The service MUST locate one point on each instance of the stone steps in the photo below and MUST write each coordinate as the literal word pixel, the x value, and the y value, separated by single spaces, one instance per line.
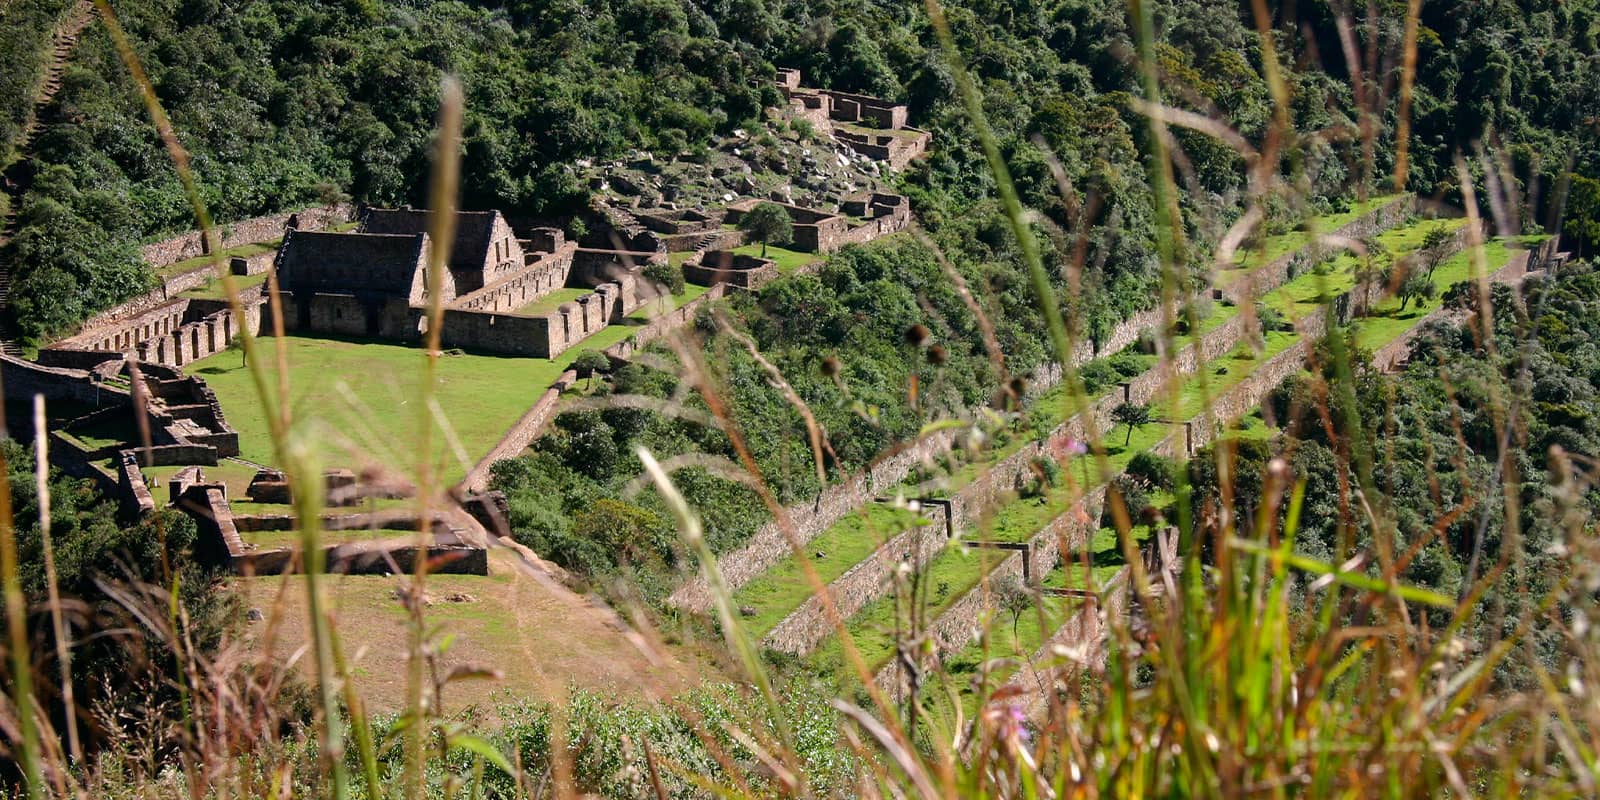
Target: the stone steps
pixel 63 41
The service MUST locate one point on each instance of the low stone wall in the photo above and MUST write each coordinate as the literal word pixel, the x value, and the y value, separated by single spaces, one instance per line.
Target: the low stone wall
pixel 171 455
pixel 220 542
pixel 664 324
pixel 248 231
pixel 1083 632
pixel 24 379
pixel 961 623
pixel 519 437
pixel 807 625
pixel 714 267
pixel 133 494
pixel 523 287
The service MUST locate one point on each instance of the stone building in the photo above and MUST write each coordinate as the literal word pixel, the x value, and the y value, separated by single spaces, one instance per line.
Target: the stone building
pixel 374 282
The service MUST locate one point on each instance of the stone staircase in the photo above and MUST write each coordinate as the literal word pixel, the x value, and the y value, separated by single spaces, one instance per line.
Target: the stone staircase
pixel 18 175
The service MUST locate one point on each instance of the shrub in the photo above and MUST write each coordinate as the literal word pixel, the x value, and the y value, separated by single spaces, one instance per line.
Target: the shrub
pixel 1158 471
pixel 1135 494
pixel 665 275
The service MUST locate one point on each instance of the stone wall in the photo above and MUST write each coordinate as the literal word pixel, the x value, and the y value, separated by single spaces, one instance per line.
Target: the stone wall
pixel 722 266
pixel 961 623
pixel 522 434
pixel 523 287
pixel 663 324
pixel 249 231
pixel 898 150
pixel 1263 279
pixel 807 625
pixel 172 333
pixel 769 545
pixel 219 541
pixel 24 379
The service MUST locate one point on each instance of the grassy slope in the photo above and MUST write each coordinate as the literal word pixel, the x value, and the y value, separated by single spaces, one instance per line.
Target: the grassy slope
pixel 506 619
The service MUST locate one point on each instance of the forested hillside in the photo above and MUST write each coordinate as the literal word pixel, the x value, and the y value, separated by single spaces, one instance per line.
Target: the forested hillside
pixel 285 103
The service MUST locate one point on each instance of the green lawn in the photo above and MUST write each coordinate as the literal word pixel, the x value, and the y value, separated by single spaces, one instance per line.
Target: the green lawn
pixel 1387 322
pixel 552 301
pixel 787 260
pixel 272 540
pixel 356 400
pixel 1275 247
pixel 949 576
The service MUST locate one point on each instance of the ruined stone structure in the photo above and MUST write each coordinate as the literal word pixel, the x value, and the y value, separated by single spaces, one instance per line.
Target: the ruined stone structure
pixel 821 232
pixel 711 267
pixel 374 282
pixel 872 127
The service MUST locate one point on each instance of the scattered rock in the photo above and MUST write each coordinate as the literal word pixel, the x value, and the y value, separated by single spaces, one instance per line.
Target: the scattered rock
pixel 460 597
pixel 747 611
pixel 254 615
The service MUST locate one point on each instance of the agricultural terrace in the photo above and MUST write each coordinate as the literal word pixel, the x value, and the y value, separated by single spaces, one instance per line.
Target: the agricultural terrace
pixel 959 568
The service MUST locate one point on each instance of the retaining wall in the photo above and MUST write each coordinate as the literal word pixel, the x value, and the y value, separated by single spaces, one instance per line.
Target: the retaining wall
pixel 807 625
pixel 192 244
pixel 1263 279
pixel 769 545
pixel 519 437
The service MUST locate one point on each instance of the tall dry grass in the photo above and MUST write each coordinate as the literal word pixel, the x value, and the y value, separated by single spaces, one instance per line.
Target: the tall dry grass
pixel 1253 672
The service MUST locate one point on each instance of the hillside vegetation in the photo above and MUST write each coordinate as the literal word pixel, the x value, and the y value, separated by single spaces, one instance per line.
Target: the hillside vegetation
pixel 1372 576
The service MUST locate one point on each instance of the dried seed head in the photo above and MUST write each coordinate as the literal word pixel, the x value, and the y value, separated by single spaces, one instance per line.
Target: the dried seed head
pixel 831 367
pixel 937 355
pixel 918 335
pixel 1018 386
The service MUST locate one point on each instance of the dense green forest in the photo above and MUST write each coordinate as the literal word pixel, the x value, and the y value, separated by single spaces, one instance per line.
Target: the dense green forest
pixel 285 103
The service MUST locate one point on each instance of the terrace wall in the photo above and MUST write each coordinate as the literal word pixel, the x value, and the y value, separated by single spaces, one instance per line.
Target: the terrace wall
pixel 803 628
pixel 521 435
pixel 193 244
pixel 664 324
pixel 961 623
pixel 1270 276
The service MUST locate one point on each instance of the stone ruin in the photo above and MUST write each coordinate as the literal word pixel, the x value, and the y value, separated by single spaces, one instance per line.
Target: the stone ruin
pixel 374 282
pixel 872 127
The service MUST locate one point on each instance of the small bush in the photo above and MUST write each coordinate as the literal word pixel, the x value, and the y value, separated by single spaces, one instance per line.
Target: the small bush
pixel 1158 471
pixel 665 275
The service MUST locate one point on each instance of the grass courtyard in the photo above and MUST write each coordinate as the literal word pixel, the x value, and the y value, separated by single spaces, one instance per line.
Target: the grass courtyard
pixel 356 401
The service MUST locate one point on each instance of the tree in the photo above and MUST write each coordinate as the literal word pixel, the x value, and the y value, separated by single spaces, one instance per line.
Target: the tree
pixel 665 275
pixel 1418 287
pixel 1435 243
pixel 1013 596
pixel 1132 415
pixel 236 345
pixel 590 362
pixel 1583 213
pixel 768 223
